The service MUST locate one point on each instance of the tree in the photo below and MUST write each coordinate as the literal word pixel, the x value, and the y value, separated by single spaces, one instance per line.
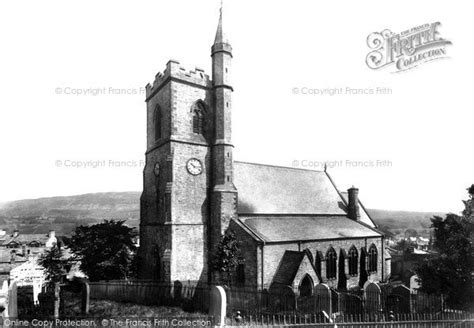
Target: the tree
pixel 106 250
pixel 227 254
pixel 411 233
pixel 405 246
pixel 54 264
pixel 387 231
pixel 468 204
pixel 450 272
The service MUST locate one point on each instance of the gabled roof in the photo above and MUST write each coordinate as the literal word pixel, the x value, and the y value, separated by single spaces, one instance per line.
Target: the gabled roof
pixel 267 189
pixel 300 228
pixel 289 265
pixel 26 239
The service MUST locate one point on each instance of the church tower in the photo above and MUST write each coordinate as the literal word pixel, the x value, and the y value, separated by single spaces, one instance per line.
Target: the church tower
pixel 188 192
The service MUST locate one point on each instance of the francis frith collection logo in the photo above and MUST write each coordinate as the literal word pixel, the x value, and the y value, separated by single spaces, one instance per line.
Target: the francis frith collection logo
pixel 406 50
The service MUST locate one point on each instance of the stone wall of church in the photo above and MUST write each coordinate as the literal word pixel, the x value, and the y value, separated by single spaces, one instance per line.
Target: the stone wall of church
pixel 189 253
pixel 345 244
pixel 272 255
pixel 183 97
pixel 250 253
pixel 274 252
pixel 306 268
pixel 161 100
pixel 189 197
pixel 154 241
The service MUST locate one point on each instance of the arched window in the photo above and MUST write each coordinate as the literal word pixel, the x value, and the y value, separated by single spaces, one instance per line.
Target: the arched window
pixel 198 117
pixel 372 258
pixel 331 263
pixel 317 263
pixel 34 244
pixel 306 286
pixel 353 261
pixel 240 272
pixel 158 120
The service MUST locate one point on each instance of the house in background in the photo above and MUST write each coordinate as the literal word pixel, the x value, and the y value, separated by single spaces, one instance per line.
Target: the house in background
pixel 17 249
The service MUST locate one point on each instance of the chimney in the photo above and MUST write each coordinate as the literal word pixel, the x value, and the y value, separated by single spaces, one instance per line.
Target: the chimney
pixel 15 233
pixel 12 256
pixel 353 206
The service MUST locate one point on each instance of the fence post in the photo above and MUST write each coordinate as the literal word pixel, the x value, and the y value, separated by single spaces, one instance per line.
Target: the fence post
pixel 56 300
pixel 218 305
pixel 85 297
pixel 13 301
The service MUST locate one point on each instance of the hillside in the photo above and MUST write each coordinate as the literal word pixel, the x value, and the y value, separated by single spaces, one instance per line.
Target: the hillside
pixel 63 214
pixel 399 221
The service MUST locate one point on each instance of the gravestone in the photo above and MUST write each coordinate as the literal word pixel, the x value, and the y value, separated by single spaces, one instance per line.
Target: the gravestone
pixel 323 296
pixel 400 299
pixel 13 301
pixel 372 295
pixel 282 298
pixel 85 297
pixel 217 305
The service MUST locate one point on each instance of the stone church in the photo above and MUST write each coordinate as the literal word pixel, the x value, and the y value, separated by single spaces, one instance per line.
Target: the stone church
pixel 294 227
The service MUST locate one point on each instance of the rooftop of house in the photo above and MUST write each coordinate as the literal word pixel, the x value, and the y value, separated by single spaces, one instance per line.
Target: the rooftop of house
pixel 21 239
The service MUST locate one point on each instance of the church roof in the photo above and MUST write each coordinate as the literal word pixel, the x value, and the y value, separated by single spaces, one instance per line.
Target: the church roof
pixel 289 265
pixel 267 189
pixel 364 215
pixel 300 228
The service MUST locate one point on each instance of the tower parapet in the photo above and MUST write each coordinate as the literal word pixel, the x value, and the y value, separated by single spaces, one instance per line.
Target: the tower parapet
pixel 174 71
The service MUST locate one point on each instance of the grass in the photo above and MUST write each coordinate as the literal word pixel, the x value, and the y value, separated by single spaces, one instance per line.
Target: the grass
pixel 111 308
pixel 108 308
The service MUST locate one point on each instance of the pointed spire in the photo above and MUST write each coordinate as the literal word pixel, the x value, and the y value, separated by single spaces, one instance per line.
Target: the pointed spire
pixel 220 36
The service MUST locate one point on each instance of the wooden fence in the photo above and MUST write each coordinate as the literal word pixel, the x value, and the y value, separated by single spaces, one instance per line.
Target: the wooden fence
pixel 191 296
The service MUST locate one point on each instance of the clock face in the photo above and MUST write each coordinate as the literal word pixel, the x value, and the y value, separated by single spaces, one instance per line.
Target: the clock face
pixel 156 169
pixel 194 166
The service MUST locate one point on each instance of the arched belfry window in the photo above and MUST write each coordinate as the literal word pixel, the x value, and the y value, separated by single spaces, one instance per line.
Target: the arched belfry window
pixel 331 263
pixel 157 121
pixel 198 110
pixel 353 260
pixel 373 258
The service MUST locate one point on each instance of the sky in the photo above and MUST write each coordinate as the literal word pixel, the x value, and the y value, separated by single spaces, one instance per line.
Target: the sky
pixel 72 110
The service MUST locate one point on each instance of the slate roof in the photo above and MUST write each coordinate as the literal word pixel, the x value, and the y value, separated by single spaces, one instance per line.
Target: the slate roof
pixel 299 228
pixel 289 265
pixel 26 238
pixel 267 189
pixel 364 215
